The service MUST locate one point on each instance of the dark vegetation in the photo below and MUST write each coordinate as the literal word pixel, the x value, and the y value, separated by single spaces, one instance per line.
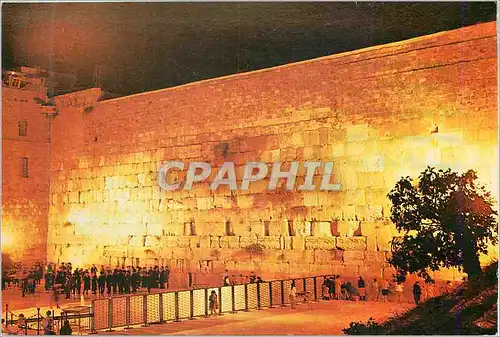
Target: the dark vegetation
pixel 447 220
pixel 466 311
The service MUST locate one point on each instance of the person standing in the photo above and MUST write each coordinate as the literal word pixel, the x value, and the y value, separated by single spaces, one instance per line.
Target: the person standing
pixel 128 282
pixel 101 283
pixel 48 280
pixel 213 303
pixel 78 282
pixel 86 283
pixel 399 291
pixel 167 276
pixel 252 277
pixel 162 278
pixel 67 286
pixel 338 287
pixel 21 325
pixel 417 292
pixel 109 282
pixel 362 288
pixel 293 295
pixel 114 282
pixel 134 279
pixel 94 283
pixel 24 286
pixel 48 324
pixel 375 290
pixel 331 287
pixel 66 328
pixel 384 286
pixel 325 289
pixel 149 280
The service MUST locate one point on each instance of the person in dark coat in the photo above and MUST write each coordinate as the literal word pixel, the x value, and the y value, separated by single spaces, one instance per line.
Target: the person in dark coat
pixel 101 281
pixel 115 281
pixel 128 282
pixel 78 281
pixel 134 280
pixel 86 283
pixel 167 275
pixel 331 287
pixel 67 287
pixel 150 279
pixel 24 287
pixel 417 292
pixel 109 282
pixel 94 283
pixel 362 288
pixel 66 328
pixel 162 278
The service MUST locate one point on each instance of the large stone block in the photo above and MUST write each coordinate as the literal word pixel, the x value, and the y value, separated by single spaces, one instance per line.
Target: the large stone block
pixel 298 243
pixel 323 243
pixel 184 241
pixel 204 241
pixel 371 243
pixel 248 240
pixel 230 242
pixel 351 244
pixel 214 241
pixel 269 242
pixel 351 255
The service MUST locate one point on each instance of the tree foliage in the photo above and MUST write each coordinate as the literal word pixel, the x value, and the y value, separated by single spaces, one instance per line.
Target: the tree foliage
pixel 447 220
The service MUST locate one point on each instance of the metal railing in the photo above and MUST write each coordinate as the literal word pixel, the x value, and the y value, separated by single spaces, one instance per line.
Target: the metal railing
pixel 172 306
pixel 79 322
pixel 126 311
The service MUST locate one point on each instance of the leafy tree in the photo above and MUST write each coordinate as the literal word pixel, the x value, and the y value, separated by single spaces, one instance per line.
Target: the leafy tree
pixel 447 220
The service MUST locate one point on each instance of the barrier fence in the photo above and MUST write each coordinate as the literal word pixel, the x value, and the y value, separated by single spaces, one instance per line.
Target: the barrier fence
pixel 126 311
pixel 170 306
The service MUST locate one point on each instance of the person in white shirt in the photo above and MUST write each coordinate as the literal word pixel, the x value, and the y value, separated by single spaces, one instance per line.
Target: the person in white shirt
pixel 293 295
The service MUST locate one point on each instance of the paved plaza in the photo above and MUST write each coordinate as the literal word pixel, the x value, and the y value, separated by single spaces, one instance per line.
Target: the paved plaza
pixel 322 318
pixel 314 318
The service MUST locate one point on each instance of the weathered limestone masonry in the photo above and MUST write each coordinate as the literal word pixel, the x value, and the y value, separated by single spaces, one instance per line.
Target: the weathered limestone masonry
pixel 372 112
pixel 25 200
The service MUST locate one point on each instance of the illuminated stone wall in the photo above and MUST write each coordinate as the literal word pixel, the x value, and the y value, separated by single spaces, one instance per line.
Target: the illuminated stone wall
pixel 370 111
pixel 25 201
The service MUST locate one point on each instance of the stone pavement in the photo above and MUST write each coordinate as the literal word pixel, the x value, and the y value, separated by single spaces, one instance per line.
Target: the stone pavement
pixel 322 318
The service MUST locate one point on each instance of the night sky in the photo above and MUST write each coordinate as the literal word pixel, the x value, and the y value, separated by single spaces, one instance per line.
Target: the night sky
pixel 146 46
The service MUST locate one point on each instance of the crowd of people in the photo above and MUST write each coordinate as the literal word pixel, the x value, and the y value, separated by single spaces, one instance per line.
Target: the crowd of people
pixel 105 280
pixel 334 288
pixel 28 283
pixel 241 279
pixel 97 281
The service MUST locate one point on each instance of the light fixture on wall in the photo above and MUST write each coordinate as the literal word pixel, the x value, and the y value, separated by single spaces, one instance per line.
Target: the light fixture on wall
pixel 435 130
